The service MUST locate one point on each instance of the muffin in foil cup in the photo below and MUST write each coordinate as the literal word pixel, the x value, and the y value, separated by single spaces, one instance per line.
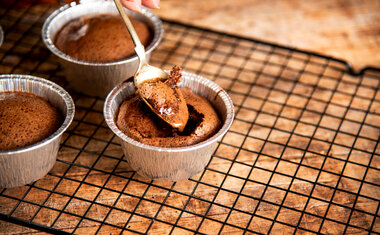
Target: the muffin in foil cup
pixel 27 164
pixel 96 78
pixel 176 163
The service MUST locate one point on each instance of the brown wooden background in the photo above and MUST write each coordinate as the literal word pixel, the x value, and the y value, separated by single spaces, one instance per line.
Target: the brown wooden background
pixel 302 155
pixel 347 29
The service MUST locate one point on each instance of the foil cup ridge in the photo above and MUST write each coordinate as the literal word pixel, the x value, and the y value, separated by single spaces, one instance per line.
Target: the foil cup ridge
pixel 1 35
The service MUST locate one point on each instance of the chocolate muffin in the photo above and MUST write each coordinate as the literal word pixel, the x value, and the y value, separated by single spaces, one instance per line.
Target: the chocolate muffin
pixel 25 119
pixel 100 38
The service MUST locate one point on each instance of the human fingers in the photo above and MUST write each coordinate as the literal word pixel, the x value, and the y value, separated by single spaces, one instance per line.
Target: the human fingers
pixel 133 5
pixel 151 3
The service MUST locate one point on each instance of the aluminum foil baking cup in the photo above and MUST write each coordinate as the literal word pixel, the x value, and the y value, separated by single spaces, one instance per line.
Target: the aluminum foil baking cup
pixel 25 165
pixel 91 78
pixel 176 163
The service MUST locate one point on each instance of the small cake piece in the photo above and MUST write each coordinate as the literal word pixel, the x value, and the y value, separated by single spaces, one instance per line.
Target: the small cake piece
pixel 100 38
pixel 25 119
pixel 166 99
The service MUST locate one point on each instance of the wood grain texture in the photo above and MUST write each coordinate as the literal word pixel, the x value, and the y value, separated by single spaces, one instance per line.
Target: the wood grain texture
pixel 346 29
pixel 303 149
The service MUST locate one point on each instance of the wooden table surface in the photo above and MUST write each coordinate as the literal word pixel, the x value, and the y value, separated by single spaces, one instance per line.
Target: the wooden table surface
pixel 301 156
pixel 346 29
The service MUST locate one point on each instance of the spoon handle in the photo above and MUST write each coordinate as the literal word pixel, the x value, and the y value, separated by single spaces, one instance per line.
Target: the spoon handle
pixel 139 48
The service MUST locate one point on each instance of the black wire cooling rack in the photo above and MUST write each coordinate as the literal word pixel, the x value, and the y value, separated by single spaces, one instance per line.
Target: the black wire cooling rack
pixel 302 155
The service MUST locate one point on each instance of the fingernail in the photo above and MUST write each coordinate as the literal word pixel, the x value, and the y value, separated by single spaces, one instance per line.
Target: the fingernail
pixel 133 5
pixel 138 7
pixel 156 3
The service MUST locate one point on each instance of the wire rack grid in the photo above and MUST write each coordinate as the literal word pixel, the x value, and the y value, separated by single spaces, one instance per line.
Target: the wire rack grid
pixel 302 155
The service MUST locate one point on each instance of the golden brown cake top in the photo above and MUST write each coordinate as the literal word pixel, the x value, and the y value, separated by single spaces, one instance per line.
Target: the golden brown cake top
pixel 25 119
pixel 100 38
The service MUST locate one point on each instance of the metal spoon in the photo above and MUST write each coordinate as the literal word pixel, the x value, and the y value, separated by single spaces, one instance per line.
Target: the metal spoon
pixel 174 113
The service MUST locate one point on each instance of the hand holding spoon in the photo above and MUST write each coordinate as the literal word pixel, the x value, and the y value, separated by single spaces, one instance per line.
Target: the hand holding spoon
pixel 153 86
